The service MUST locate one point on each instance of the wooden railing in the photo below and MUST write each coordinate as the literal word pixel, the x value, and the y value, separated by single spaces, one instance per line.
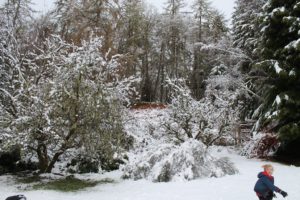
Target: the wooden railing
pixel 244 131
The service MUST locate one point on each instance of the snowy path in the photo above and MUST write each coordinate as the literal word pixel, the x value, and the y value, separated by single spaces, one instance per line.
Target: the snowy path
pixel 237 187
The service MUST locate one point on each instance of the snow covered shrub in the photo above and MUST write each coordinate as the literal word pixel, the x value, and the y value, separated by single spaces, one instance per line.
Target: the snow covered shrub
pixel 187 161
pixel 83 164
pixel 224 101
pixel 185 116
pixel 67 103
pixel 212 119
pixel 262 145
pixel 9 159
pixel 147 105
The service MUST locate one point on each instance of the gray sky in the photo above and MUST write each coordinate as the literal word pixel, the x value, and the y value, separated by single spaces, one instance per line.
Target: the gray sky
pixel 225 6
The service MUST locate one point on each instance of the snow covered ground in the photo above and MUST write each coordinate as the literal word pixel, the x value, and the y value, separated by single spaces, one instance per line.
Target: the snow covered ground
pixel 236 187
pixel 144 127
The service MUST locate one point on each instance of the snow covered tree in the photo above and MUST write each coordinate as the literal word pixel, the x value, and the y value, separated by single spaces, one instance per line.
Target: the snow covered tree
pixel 170 54
pixel 216 115
pixel 186 161
pixel 67 103
pixel 132 22
pixel 202 13
pixel 246 24
pixel 175 39
pixel 15 18
pixel 17 14
pixel 218 27
pixel 209 27
pixel 14 24
pixel 226 93
pixel 280 49
pixel 134 41
pixel 186 120
pixel 76 20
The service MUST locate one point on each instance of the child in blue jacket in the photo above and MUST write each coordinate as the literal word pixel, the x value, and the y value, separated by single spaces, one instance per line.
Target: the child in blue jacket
pixel 265 187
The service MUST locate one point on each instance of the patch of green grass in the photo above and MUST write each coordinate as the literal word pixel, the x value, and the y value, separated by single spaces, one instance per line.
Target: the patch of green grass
pixel 69 184
pixel 29 179
pixel 105 181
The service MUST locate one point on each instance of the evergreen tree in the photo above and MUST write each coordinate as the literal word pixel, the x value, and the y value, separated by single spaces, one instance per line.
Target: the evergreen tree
pixel 210 27
pixel 170 30
pixel 218 26
pixel 175 40
pixel 134 41
pixel 131 33
pixel 246 33
pixel 246 24
pixel 280 50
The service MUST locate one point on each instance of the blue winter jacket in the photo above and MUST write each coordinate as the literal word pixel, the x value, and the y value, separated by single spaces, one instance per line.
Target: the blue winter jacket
pixel 265 185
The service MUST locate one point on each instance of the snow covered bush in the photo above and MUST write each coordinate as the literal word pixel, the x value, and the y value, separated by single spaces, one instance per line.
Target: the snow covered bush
pixel 67 103
pixel 213 119
pixel 226 99
pixel 223 102
pixel 262 145
pixel 169 162
pixel 185 119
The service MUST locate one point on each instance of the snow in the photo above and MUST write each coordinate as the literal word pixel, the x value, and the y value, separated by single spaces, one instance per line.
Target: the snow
pixel 235 187
pixel 293 45
pixel 143 125
pixel 263 29
pixel 158 158
pixel 278 11
pixel 188 161
pixel 286 97
pixel 277 67
pixel 277 100
pixel 297 6
pixel 292 73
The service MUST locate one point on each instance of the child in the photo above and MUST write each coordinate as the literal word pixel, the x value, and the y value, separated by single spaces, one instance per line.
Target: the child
pixel 265 187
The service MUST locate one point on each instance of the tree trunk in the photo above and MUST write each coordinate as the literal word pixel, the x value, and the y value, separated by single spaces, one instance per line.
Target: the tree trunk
pixel 53 161
pixel 43 157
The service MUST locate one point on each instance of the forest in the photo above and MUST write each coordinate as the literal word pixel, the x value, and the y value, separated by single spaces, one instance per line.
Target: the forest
pixel 104 85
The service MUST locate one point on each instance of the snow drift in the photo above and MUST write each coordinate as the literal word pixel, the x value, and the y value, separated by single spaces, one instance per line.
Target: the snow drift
pixel 187 161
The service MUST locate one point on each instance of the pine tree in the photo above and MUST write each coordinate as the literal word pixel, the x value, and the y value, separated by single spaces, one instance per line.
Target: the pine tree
pixel 210 27
pixel 246 24
pixel 132 32
pixel 134 41
pixel 172 55
pixel 175 42
pixel 202 11
pixel 174 6
pixel 280 49
pixel 218 26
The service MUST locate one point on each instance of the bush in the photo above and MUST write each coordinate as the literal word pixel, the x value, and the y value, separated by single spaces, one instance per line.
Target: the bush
pixel 289 153
pixel 263 145
pixel 188 161
pixel 83 164
pixel 9 159
pixel 69 184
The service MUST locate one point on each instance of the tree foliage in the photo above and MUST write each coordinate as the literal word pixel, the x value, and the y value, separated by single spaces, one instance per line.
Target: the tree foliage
pixel 280 62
